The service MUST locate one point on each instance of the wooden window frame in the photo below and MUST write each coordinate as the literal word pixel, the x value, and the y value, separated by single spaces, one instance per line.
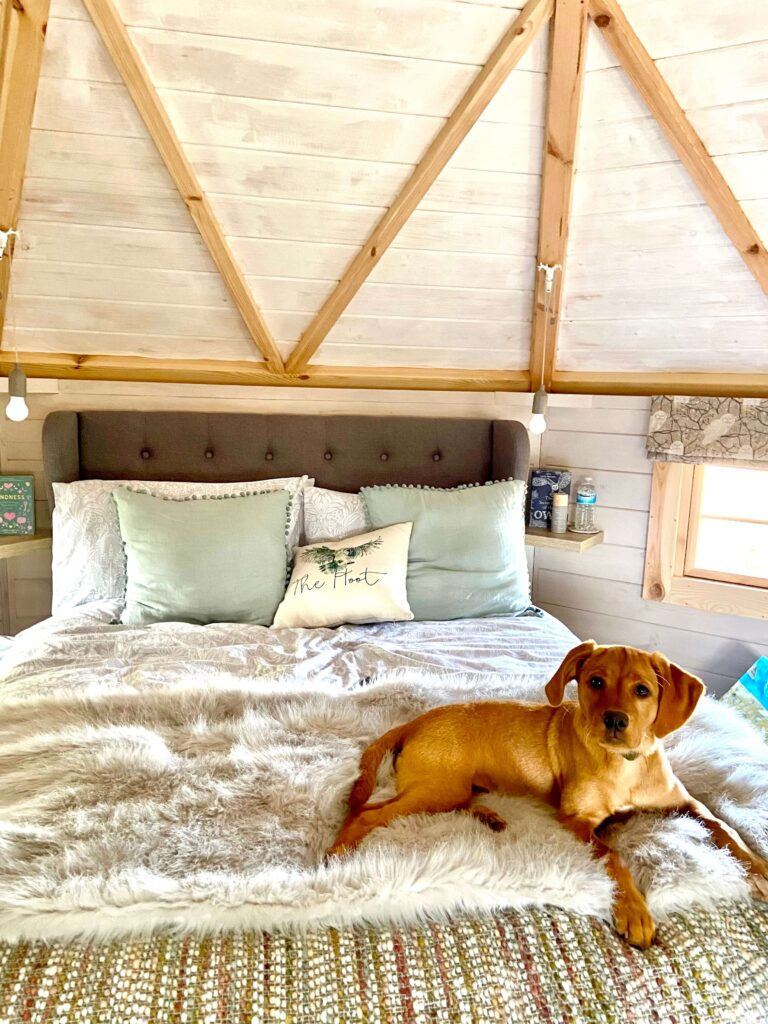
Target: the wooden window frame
pixel 672 496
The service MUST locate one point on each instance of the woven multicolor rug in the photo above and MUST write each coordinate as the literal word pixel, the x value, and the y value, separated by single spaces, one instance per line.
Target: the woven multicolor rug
pixel 532 967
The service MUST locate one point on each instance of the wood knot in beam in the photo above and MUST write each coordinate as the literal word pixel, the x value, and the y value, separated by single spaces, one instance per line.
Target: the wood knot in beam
pixel 753 250
pixel 603 20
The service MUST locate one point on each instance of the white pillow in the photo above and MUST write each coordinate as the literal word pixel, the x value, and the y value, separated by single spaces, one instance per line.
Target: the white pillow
pixel 358 579
pixel 332 515
pixel 88 563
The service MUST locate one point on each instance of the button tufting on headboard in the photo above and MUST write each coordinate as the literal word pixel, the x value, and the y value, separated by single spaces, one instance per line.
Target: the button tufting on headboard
pixel 340 452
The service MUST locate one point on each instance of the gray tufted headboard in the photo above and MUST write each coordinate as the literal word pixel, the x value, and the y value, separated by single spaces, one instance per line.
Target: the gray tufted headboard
pixel 340 452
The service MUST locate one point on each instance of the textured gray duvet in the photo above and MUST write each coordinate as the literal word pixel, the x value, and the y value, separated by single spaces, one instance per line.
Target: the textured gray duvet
pixel 82 648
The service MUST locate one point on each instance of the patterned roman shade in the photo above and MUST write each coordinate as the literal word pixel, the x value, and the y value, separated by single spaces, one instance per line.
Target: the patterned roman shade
pixel 724 430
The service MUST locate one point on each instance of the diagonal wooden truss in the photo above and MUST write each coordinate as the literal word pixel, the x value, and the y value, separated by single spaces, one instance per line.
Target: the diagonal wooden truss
pixel 144 95
pixel 503 60
pixel 23 29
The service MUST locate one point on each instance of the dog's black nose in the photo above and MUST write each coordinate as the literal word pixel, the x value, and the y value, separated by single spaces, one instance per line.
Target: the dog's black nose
pixel 616 721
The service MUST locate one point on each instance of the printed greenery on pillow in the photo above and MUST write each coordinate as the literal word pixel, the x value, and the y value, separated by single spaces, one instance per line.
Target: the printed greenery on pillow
pixel 358 579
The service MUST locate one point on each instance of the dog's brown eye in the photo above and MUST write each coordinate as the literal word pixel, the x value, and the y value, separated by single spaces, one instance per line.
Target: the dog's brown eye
pixel 596 683
pixel 642 691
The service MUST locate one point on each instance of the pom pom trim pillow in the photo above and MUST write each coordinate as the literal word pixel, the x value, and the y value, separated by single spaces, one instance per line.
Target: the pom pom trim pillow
pixel 88 563
pixel 203 560
pixel 357 579
pixel 467 552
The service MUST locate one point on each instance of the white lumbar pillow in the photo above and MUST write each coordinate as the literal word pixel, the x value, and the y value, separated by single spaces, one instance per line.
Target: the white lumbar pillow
pixel 358 579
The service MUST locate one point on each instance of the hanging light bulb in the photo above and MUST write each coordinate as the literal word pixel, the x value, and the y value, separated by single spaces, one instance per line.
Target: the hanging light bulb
pixel 17 409
pixel 537 423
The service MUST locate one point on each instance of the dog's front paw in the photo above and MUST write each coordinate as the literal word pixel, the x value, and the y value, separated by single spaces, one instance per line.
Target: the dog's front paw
pixel 337 850
pixel 633 921
pixel 758 878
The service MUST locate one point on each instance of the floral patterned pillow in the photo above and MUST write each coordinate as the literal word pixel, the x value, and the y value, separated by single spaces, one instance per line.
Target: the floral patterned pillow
pixel 88 560
pixel 332 515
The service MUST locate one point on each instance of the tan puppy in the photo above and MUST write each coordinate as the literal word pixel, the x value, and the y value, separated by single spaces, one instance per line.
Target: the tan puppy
pixel 591 760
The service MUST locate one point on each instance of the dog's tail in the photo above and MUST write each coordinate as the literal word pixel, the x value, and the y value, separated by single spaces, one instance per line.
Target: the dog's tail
pixel 369 765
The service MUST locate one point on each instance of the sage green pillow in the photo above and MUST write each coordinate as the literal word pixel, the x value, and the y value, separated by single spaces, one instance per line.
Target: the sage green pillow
pixel 467 553
pixel 201 560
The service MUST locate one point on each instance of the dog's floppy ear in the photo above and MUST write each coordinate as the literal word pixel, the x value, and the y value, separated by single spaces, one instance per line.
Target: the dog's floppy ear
pixel 569 669
pixel 678 695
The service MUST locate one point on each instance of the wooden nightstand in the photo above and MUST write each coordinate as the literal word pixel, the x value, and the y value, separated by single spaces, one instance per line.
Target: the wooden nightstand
pixel 568 541
pixel 13 547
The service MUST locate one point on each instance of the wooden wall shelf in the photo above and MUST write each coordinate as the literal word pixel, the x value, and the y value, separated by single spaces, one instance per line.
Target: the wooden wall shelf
pixel 13 547
pixel 568 541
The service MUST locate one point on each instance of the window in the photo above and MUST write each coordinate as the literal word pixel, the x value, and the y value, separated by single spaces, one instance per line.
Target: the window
pixel 727 536
pixel 708 538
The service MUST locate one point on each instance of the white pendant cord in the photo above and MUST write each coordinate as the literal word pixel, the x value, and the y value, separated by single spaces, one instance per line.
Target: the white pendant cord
pixel 538 423
pixel 5 238
pixel 17 408
pixel 549 282
pixel 12 303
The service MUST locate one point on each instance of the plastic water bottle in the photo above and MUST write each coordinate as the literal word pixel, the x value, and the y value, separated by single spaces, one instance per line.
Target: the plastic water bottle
pixel 586 499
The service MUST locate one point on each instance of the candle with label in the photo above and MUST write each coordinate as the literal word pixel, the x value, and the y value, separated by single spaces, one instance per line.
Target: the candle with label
pixel 559 513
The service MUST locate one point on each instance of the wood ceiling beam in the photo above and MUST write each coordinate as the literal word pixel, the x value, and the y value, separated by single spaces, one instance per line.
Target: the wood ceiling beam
pixel 22 36
pixel 143 93
pixel 70 366
pixel 502 61
pixel 671 117
pixel 66 366
pixel 567 57
pixel 736 385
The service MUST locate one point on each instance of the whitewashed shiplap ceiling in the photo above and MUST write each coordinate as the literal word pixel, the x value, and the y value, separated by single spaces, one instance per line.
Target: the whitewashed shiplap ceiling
pixel 304 119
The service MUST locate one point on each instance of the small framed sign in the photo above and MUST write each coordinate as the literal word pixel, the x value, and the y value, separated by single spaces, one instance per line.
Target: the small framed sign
pixel 17 505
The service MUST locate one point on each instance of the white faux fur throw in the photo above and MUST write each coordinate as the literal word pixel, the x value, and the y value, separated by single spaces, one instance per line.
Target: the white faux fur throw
pixel 205 808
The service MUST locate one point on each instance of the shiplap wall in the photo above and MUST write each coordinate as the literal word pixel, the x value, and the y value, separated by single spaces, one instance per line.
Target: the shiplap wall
pixel 652 280
pixel 597 593
pixel 302 121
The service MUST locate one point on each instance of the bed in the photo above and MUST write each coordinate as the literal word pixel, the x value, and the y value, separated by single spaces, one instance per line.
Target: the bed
pixel 527 962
